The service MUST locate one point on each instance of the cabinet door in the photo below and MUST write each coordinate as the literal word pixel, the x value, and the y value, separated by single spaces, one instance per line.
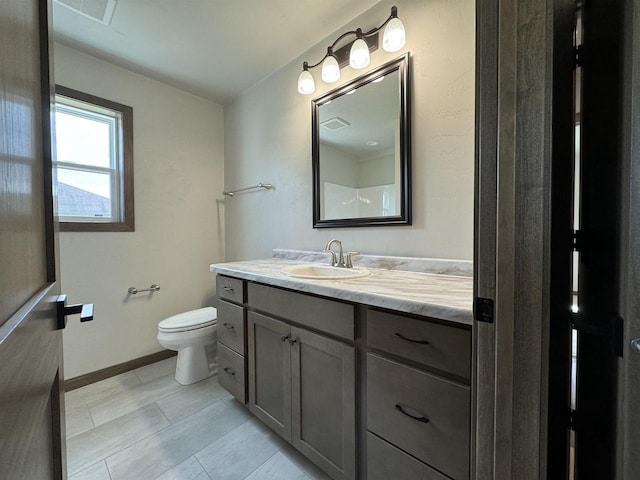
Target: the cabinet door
pixel 270 372
pixel 323 402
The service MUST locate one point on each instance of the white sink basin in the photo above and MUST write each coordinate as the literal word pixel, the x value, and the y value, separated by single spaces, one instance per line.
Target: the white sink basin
pixel 324 272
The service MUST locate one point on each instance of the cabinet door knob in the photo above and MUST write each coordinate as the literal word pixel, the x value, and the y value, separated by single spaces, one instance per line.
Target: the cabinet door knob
pixel 635 345
pixel 292 341
pixel 407 339
pixel 419 417
pixel 284 338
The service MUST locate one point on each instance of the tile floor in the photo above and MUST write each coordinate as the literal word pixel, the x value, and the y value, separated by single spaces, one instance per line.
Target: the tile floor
pixel 144 425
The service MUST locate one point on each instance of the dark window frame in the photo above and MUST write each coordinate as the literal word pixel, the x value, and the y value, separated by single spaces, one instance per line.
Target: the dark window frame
pixel 127 223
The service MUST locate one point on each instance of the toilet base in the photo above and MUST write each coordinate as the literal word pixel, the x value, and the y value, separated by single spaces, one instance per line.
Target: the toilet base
pixel 193 365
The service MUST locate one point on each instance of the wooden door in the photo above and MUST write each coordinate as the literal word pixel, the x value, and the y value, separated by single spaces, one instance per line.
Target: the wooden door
pixel 323 402
pixel 32 436
pixel 269 359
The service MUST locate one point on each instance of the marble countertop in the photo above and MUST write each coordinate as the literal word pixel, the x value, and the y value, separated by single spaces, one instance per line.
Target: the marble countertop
pixel 448 297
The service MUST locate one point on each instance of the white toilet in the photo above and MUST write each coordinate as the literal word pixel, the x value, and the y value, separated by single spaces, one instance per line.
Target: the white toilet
pixel 193 335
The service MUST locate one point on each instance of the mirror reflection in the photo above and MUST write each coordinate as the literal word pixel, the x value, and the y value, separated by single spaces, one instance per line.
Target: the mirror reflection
pixel 361 152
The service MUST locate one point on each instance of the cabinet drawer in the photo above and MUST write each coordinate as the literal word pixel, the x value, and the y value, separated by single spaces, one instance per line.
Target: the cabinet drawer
pixel 446 348
pixel 231 326
pixel 424 415
pixel 230 288
pixel 384 461
pixel 231 374
pixel 335 318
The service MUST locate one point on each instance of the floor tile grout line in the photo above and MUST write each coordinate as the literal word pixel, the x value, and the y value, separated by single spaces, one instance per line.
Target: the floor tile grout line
pixel 102 399
pixel 221 399
pixel 150 435
pixel 154 403
pixel 251 472
pixel 136 442
pixel 93 422
pixel 164 414
pixel 171 372
pixel 142 382
pixel 208 445
pixel 202 466
pixel 182 388
pixel 104 459
pixel 107 467
pixel 87 468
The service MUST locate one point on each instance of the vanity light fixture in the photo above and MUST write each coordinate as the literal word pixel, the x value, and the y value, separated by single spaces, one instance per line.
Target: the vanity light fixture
pixel 358 50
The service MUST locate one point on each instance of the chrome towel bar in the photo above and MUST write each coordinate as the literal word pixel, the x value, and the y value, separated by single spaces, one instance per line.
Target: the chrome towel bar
pixel 266 186
pixel 135 291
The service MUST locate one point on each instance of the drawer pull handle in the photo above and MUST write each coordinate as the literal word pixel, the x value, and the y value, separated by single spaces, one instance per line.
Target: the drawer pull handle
pixel 292 341
pixel 228 289
pixel 284 338
pixel 229 371
pixel 230 327
pixel 421 342
pixel 420 418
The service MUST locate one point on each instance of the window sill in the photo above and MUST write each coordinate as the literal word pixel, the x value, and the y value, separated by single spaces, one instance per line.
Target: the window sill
pixel 96 227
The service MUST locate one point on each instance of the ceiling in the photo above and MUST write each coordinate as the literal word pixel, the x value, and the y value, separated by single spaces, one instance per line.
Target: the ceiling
pixel 212 48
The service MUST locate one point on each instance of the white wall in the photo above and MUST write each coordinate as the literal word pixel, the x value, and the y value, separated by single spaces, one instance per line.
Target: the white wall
pixel 268 139
pixel 178 163
pixel 338 166
pixel 378 169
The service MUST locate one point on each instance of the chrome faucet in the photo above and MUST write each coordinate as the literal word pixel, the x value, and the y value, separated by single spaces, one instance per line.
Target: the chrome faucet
pixel 336 260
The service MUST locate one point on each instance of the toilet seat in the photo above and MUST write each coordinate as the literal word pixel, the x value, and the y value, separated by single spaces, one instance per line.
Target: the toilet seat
pixel 192 320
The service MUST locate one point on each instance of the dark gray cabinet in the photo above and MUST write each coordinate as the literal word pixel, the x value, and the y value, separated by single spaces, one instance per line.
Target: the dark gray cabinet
pixel 362 392
pixel 418 397
pixel 323 415
pixel 231 336
pixel 302 385
pixel 269 358
pixel 231 372
pixel 423 414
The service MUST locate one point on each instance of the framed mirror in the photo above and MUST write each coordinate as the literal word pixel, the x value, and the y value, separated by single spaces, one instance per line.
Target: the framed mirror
pixel 361 150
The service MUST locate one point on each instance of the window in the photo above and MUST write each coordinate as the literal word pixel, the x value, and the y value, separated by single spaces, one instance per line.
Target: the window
pixel 94 164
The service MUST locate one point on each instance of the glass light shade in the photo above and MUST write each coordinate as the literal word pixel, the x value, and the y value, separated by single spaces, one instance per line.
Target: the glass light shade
pixel 330 70
pixel 394 37
pixel 306 84
pixel 359 55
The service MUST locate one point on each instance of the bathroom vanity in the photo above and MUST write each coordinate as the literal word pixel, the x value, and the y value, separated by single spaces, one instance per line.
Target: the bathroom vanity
pixel 369 378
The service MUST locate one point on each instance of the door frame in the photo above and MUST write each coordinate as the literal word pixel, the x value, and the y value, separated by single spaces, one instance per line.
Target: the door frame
pixel 628 439
pixel 512 256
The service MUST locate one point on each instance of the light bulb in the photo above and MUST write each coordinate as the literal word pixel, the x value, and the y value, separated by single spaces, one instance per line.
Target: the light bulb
pixel 330 70
pixel 306 84
pixel 359 56
pixel 394 37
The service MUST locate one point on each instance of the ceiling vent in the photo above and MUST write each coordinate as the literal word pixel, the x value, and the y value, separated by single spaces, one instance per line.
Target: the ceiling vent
pixel 100 10
pixel 335 123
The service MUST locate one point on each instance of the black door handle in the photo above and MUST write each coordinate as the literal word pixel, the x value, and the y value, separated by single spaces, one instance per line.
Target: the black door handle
pixel 85 311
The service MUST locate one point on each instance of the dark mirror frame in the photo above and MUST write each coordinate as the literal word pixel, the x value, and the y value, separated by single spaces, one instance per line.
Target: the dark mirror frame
pixel 402 65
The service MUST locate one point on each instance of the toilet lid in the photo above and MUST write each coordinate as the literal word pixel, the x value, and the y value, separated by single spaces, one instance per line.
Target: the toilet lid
pixel 203 317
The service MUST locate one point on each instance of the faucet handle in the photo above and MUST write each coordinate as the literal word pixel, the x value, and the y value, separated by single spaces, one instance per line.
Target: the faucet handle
pixel 348 262
pixel 334 257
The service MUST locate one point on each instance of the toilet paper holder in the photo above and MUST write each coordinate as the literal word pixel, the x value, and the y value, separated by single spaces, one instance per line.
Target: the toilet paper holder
pixel 135 291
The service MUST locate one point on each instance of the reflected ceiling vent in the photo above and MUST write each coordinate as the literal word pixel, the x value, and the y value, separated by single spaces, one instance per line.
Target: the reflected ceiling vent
pixel 100 10
pixel 335 123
